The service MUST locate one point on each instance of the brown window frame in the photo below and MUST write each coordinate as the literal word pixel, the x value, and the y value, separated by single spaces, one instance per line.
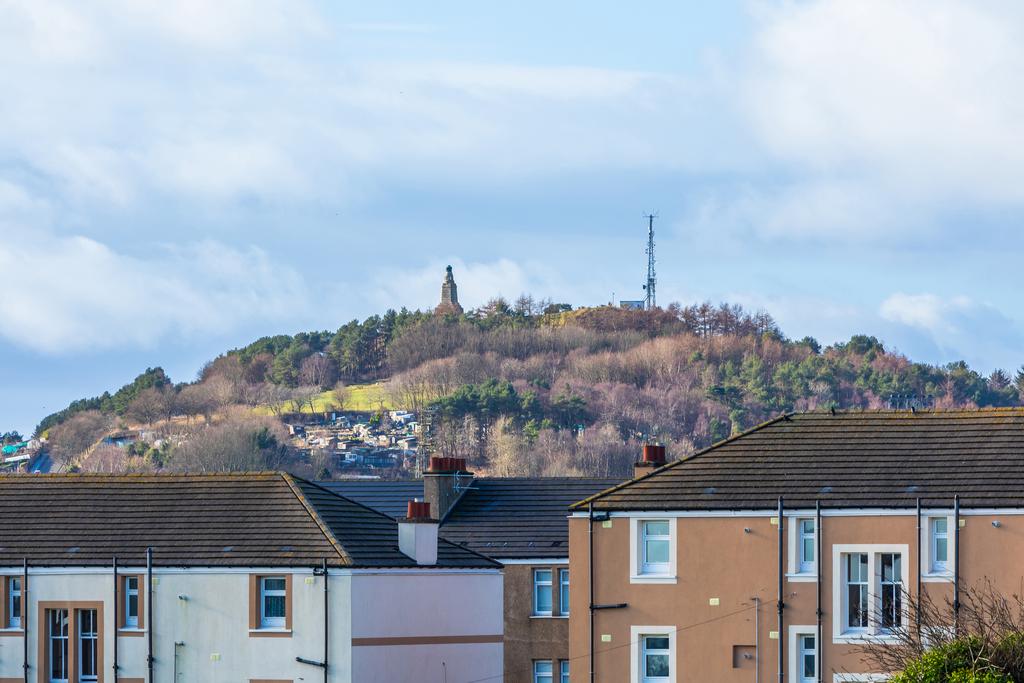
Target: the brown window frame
pixel 5 592
pixel 257 631
pixel 73 608
pixel 122 598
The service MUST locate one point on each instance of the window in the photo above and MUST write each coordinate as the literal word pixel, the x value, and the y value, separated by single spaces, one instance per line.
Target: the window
pixel 655 662
pixel 272 602
pixel 131 602
pixel 857 585
pixel 655 547
pixel 57 645
pixel 543 672
pixel 807 546
pixel 891 589
pixel 563 591
pixel 939 543
pixel 807 656
pixel 14 602
pixel 542 592
pixel 88 640
pixel 868 590
pixel 564 669
pixel 270 606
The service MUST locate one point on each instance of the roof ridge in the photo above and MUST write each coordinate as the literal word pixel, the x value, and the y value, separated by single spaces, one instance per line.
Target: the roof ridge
pixel 145 475
pixel 677 463
pixel 392 519
pixel 290 480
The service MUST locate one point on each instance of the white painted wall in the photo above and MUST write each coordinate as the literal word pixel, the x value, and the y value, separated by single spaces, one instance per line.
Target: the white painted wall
pixel 442 605
pixel 213 625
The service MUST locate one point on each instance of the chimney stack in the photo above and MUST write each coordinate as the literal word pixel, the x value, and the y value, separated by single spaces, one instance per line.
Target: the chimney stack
pixel 439 484
pixel 653 458
pixel 417 534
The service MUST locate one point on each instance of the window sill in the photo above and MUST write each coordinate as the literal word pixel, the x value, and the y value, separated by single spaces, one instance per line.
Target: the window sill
pixel 131 632
pixel 653 578
pixel 858 637
pixel 11 632
pixel 549 616
pixel 802 577
pixel 937 577
pixel 270 633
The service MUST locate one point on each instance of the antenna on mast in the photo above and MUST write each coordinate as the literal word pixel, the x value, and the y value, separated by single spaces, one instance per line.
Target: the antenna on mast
pixel 650 301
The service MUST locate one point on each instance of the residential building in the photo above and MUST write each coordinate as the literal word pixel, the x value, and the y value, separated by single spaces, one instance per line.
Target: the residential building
pixel 521 522
pixel 777 554
pixel 258 577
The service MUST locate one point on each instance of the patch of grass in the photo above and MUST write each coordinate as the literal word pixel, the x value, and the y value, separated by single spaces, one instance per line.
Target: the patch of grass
pixel 358 398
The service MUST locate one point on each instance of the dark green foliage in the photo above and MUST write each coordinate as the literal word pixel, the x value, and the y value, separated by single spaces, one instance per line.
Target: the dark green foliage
pixel 107 403
pixel 965 660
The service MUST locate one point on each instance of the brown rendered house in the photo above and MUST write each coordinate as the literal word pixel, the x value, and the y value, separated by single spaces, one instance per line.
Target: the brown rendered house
pixel 686 574
pixel 521 523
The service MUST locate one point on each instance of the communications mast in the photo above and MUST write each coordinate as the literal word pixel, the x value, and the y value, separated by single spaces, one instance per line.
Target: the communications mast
pixel 650 301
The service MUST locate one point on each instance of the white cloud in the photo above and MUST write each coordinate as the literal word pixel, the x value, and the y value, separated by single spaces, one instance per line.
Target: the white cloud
pixel 879 117
pixel 958 327
pixel 67 294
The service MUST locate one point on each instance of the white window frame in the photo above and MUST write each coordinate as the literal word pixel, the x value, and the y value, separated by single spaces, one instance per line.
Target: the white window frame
pixel 563 671
pixel 543 676
pixel 131 620
pixel 563 591
pixel 932 571
pixel 81 636
pixel 840 632
pixel 52 641
pixel 797 632
pixel 273 622
pixel 13 598
pixel 539 585
pixel 795 570
pixel 900 583
pixel 636 650
pixel 667 573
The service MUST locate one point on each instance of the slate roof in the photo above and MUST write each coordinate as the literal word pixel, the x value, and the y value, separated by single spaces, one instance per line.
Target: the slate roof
pixel 389 497
pixel 505 518
pixel 266 519
pixel 847 459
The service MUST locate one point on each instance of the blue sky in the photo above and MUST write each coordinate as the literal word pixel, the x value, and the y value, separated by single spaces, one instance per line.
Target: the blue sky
pixel 175 181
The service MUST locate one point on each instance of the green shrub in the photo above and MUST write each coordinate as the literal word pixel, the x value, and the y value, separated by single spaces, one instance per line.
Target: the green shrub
pixel 953 662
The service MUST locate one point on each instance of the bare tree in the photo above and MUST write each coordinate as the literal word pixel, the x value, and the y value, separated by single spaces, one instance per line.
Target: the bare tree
pixel 318 370
pixel 75 436
pixel 148 406
pixel 236 444
pixel 985 619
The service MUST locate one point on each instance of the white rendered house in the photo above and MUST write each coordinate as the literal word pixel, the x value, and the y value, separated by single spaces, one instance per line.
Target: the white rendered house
pixel 264 578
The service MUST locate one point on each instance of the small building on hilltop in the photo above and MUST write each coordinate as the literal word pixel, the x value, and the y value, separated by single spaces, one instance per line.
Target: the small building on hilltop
pixel 449 296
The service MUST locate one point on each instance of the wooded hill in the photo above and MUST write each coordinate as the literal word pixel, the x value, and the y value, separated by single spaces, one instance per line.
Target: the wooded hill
pixel 537 388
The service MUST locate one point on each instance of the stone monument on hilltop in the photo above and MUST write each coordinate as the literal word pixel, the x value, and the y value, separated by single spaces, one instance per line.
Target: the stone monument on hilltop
pixel 449 296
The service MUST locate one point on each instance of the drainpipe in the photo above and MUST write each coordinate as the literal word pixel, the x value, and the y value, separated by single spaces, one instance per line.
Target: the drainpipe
pixel 327 622
pixel 149 615
pixel 817 565
pixel 757 639
pixel 781 603
pixel 917 602
pixel 956 566
pixel 24 618
pixel 117 614
pixel 590 564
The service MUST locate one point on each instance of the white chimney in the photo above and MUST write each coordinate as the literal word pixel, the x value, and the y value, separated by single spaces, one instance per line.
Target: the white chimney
pixel 417 534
